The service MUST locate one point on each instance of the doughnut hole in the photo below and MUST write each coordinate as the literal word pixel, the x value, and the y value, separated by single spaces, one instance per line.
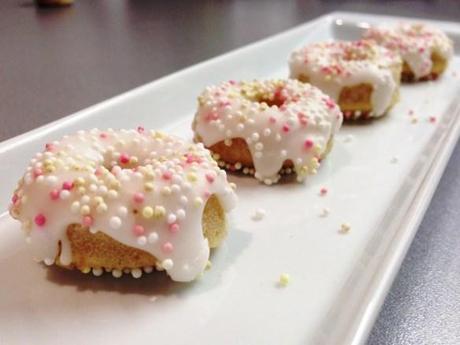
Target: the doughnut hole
pixel 439 66
pixel 102 251
pixel 271 98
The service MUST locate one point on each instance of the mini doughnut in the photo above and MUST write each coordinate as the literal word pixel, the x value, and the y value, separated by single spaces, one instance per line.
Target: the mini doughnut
pixel 362 77
pixel 267 128
pixel 425 50
pixel 124 200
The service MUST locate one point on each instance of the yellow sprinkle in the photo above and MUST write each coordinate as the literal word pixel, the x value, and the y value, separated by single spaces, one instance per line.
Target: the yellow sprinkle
pixel 84 210
pixel 133 160
pixel 166 191
pixel 208 265
pixel 345 228
pixel 79 181
pixel 192 177
pixel 101 208
pixel 159 212
pixel 86 270
pixel 82 190
pixel 98 199
pixel 147 212
pixel 149 186
pixel 198 201
pixel 284 279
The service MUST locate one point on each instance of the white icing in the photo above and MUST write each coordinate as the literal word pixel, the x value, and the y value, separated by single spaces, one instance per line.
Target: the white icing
pixel 273 134
pixel 170 176
pixel 415 43
pixel 331 66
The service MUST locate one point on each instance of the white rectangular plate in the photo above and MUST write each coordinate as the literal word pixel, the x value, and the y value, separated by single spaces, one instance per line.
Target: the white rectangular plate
pixel 338 281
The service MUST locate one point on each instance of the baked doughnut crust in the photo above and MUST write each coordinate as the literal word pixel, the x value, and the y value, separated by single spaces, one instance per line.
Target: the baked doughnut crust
pixel 99 250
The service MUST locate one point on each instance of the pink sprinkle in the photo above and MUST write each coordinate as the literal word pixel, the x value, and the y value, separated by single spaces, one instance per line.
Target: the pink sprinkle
pixel 411 112
pixel 302 119
pixel 432 119
pixel 40 219
pixel 272 119
pixel 140 129
pixel 323 191
pixel 308 143
pixel 167 175
pixel 168 247
pixel 206 194
pixel 285 128
pixel 211 117
pixel 421 49
pixel 174 228
pixel 192 158
pixel 49 147
pixel 210 178
pixel 138 197
pixel 232 82
pixel 98 171
pixel 67 185
pixel 54 194
pixel 87 221
pixel 124 158
pixel 37 172
pixel 330 103
pixel 138 230
pixel 103 135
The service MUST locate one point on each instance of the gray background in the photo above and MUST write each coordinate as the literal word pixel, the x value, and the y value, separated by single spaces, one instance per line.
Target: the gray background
pixel 57 61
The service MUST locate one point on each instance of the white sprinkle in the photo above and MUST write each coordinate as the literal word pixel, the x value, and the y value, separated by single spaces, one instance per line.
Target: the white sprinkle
pixel 255 136
pixel 267 132
pixel 141 240
pixel 258 154
pixel 97 271
pixel 348 138
pixel 180 213
pixel 117 273
pixel 115 223
pixel 153 237
pixel 171 218
pixel 183 200
pixel 51 180
pixel 136 273
pixel 167 264
pixel 48 261
pixel 148 269
pixel 258 214
pixel 324 212
pixel 259 146
pixel 122 211
pixel 64 194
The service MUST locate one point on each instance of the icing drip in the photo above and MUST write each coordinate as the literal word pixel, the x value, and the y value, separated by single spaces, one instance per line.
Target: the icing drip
pixel 415 43
pixel 331 66
pixel 279 120
pixel 145 189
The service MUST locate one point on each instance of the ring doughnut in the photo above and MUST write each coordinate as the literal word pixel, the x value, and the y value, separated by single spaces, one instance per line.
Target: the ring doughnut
pixel 425 50
pixel 362 77
pixel 124 200
pixel 267 128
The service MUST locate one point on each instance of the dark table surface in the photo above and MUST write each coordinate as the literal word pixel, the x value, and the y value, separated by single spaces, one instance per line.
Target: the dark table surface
pixel 56 61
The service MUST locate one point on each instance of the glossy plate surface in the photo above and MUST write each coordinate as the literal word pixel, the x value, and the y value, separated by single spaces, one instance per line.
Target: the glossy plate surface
pixel 380 177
